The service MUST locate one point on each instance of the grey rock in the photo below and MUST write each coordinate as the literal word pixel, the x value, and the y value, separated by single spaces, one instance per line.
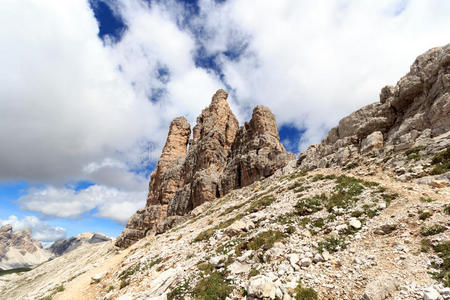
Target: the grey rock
pixel 261 287
pixel 380 288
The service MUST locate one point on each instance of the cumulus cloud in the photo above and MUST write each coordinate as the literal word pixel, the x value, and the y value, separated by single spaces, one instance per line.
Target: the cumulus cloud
pixel 41 231
pixel 322 60
pixel 63 202
pixel 75 107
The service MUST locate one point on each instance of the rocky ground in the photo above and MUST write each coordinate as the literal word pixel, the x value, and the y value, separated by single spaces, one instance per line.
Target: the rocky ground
pixel 342 234
pixel 229 215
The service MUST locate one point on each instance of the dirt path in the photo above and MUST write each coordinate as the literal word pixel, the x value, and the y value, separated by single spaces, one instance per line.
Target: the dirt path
pixel 81 288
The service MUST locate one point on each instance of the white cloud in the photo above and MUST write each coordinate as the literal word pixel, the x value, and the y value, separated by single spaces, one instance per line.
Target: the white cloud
pixel 324 59
pixel 41 231
pixel 109 202
pixel 73 107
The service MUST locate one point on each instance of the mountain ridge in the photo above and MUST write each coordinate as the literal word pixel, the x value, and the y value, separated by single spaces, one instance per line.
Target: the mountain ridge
pixel 362 215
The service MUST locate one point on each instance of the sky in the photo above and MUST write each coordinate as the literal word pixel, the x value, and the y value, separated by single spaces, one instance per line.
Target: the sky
pixel 89 87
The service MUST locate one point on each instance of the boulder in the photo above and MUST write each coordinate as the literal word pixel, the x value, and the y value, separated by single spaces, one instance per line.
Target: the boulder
pixel 261 287
pixel 380 288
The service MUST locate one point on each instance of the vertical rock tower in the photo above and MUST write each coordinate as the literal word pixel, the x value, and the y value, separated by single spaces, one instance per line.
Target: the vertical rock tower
pixel 220 157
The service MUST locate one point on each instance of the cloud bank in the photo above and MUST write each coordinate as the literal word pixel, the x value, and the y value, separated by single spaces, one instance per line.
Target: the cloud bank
pixel 76 107
pixel 41 231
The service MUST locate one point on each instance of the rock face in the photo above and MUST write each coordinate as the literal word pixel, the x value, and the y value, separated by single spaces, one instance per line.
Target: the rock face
pixel 18 249
pixel 220 157
pixel 63 246
pixel 415 112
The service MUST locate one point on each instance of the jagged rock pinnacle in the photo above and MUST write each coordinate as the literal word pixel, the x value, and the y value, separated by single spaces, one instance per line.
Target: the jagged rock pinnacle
pixel 221 157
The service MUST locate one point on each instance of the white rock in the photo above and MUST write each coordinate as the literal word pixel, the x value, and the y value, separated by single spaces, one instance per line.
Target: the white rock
pixel 278 293
pixel 318 258
pixel 380 288
pixel 286 296
pixel 355 223
pixel 341 227
pixel 125 297
pixel 218 261
pixel 431 294
pixel 293 258
pixel 160 284
pixel 284 268
pixel 162 297
pixel 326 255
pixel 237 268
pixel 445 292
pixel 261 286
pixel 97 277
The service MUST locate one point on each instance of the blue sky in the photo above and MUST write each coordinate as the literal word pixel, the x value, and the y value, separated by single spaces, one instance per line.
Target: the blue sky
pixel 88 88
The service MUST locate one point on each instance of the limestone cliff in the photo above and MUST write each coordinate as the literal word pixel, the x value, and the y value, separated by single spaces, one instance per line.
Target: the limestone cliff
pixel 412 117
pixel 18 249
pixel 220 157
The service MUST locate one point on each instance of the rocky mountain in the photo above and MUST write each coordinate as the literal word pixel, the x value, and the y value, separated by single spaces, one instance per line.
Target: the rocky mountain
pixel 19 249
pixel 63 246
pixel 413 115
pixel 221 157
pixel 229 215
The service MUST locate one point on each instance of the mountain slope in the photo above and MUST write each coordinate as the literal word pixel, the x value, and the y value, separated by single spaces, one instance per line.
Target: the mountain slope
pixel 228 239
pixel 363 215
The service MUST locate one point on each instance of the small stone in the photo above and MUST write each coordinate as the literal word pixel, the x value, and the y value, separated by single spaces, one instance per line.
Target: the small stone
pixel 218 261
pixel 341 227
pixel 318 258
pixel 326 255
pixel 305 262
pixel 97 277
pixel 293 259
pixel 355 223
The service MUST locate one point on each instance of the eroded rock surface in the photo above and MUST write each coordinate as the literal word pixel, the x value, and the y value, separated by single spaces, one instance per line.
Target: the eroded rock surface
pixel 19 249
pixel 220 157
pixel 413 113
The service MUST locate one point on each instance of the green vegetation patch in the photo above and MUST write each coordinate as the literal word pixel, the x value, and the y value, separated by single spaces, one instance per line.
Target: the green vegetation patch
pixel 253 272
pixel 425 245
pixel 332 244
pixel 207 234
pixel 443 251
pixel 265 240
pixel 425 215
pixel 447 209
pixel 307 206
pixel 426 199
pixel 413 153
pixel 213 287
pixel 441 162
pixel 304 293
pixel 261 203
pixel 432 230
pixel 179 292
